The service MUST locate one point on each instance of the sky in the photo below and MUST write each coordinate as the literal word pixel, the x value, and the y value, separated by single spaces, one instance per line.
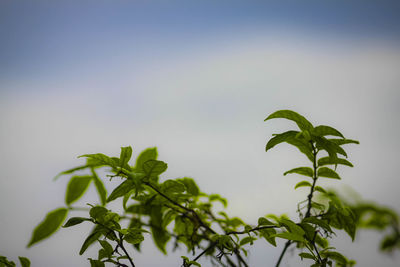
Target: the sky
pixel 196 79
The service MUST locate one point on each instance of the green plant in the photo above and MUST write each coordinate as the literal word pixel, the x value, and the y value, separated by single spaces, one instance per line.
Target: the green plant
pixel 176 210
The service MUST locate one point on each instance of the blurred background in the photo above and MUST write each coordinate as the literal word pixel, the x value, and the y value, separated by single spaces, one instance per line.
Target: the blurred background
pixel 196 79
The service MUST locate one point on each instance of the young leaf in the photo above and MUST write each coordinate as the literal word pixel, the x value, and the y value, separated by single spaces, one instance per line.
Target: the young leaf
pixel 333 161
pixel 268 234
pixel 76 188
pixel 302 122
pixel 145 155
pixel 160 237
pixel 134 236
pixel 280 138
pixel 121 190
pixel 96 263
pixel 344 141
pixel 153 168
pixel 107 247
pixel 326 172
pixel 301 184
pixel 71 171
pixel 125 156
pixel 264 221
pixel 98 213
pixel 320 189
pixel 100 160
pixel 25 262
pixel 336 256
pixel 307 171
pixel 303 146
pixel 323 130
pixel 172 186
pixel 333 149
pixel 74 221
pixel 49 225
pixel 290 236
pixel 191 186
pixel 292 227
pixel 101 190
pixel 93 236
pixel 247 239
pixel 322 223
pixel 307 255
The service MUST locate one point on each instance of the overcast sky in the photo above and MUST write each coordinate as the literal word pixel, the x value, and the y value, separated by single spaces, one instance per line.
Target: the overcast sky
pixel 196 79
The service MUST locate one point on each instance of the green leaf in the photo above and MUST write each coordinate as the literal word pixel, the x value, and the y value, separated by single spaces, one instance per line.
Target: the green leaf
pixel 101 190
pixel 322 223
pixel 134 236
pixel 307 171
pixel 100 160
pixel 76 188
pixel 290 236
pixel 303 146
pixel 172 186
pixel 332 148
pixel 336 256
pixel 327 172
pixel 191 186
pixel 168 217
pixel 96 263
pixel 302 122
pixel 306 255
pixel 4 262
pixel 323 130
pixel 125 156
pixel 25 262
pixel 247 239
pixel 153 168
pixel 49 225
pixel 320 189
pixel 160 238
pixel 333 161
pixel 292 227
pixel 71 171
pixel 301 184
pixel 98 213
pixel 121 190
pixel 145 155
pixel 74 221
pixel 344 141
pixel 216 197
pixel 93 236
pixel 264 221
pixel 280 138
pixel 268 234
pixel 107 247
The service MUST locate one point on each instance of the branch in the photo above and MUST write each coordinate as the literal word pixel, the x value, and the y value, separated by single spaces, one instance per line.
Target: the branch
pixel 288 243
pixel 251 230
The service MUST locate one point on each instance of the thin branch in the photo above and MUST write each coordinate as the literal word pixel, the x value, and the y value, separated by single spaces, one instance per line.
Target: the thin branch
pixel 121 245
pixel 288 243
pixel 315 178
pixel 204 252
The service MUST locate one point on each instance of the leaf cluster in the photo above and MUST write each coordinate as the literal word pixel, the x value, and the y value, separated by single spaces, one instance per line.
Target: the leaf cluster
pixel 176 211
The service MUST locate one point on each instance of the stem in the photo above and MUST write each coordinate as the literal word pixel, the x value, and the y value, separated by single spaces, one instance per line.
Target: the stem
pixel 121 245
pixel 203 252
pixel 288 243
pixel 195 215
pixel 309 205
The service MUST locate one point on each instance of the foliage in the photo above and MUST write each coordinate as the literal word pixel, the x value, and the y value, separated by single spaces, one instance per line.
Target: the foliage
pixel 177 211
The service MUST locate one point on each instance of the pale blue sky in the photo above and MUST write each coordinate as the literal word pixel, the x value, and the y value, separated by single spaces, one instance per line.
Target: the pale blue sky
pixel 195 79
